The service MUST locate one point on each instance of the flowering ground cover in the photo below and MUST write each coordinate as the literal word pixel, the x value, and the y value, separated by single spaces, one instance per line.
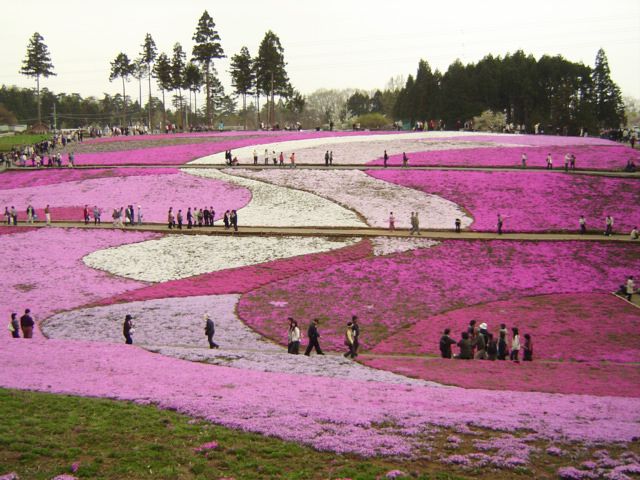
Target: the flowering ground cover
pixel 592 157
pixel 177 256
pixel 370 197
pixel 392 292
pixel 274 206
pixel 582 327
pixel 261 402
pixel 529 201
pixel 175 326
pixel 560 377
pixel 154 191
pixel 46 274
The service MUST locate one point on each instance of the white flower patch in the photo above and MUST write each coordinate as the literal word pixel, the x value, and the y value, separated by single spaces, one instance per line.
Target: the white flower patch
pixel 275 206
pixel 175 327
pixel 179 256
pixel 391 245
pixel 393 142
pixel 371 197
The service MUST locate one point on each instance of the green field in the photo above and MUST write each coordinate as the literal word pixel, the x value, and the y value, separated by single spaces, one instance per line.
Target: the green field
pixel 6 142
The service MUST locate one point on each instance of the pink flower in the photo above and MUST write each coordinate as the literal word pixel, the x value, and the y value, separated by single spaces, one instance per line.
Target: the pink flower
pixel 206 447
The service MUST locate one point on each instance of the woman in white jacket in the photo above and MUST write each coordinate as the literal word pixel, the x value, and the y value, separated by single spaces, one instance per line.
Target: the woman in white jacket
pixel 515 345
pixel 293 336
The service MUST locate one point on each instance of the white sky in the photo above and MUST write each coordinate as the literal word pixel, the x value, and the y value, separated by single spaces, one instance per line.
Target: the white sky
pixel 328 43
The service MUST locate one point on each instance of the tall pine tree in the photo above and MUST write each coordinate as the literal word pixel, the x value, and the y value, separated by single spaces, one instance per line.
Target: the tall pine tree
pixel 609 105
pixel 148 55
pixel 123 68
pixel 243 77
pixel 271 75
pixel 37 64
pixel 207 48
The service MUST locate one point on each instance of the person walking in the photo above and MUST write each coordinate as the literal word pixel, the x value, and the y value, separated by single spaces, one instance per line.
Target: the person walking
pixel 445 344
pixel 170 218
pixel 30 214
pixel 500 224
pixel 385 158
pixel 549 162
pixel 528 348
pixel 313 335
pixel 405 159
pixel 583 225
pixel 392 221
pixel 331 157
pixel 209 331
pixel 524 160
pixel 85 214
pixel 139 215
pixel 293 337
pixel 226 220
pixel 326 159
pixel 127 329
pixel 179 219
pixel 503 349
pixel 629 288
pixel 292 160
pixel 416 223
pixel 348 341
pixel 189 218
pixel 515 345
pixel 608 226
pixel 47 215
pixel 356 334
pixel 14 215
pixel 567 159
pixel 233 219
pixel 14 326
pixel 26 324
pixel 255 157
pixel 458 224
pixel 96 215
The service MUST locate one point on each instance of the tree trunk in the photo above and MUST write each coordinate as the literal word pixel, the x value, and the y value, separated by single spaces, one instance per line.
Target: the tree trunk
pixel 244 109
pixel 272 106
pixel 140 96
pixel 208 105
pixel 258 107
pixel 124 105
pixel 149 106
pixel 38 97
pixel 195 105
pixel 164 112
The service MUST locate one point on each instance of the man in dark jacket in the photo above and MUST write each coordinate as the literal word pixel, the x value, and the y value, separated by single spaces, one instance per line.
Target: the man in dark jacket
pixel 313 335
pixel 26 323
pixel 356 334
pixel 209 331
pixel 445 344
pixel 466 352
pixel 127 329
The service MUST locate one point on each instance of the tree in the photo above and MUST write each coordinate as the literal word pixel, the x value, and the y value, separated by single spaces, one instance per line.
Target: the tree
pixel 177 74
pixel 193 81
pixel 7 117
pixel 162 72
pixel 271 75
pixel 207 48
pixel 608 99
pixel 139 72
pixel 123 68
pixel 376 104
pixel 490 121
pixel 37 64
pixel 243 77
pixel 148 55
pixel 295 104
pixel 358 104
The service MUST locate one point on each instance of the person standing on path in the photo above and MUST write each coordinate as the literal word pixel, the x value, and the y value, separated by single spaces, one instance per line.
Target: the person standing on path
pixel 549 162
pixel 326 159
pixel 524 160
pixel 14 326
pixel 356 334
pixel 515 345
pixel 255 157
pixel 292 160
pixel 26 324
pixel 47 215
pixel 445 344
pixel 630 288
pixel 179 219
pixel 385 158
pixel 392 221
pixel 85 214
pixel 293 337
pixel 189 218
pixel 405 159
pixel 170 218
pixel 233 219
pixel 96 215
pixel 348 341
pixel 331 157
pixel 528 348
pixel 127 329
pixel 500 224
pixel 209 331
pixel 458 224
pixel 609 226
pixel 14 215
pixel 313 335
pixel 583 225
pixel 139 215
pixel 30 214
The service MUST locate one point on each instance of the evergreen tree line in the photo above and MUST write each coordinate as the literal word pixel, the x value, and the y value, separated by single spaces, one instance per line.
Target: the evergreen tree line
pixel 263 75
pixel 553 92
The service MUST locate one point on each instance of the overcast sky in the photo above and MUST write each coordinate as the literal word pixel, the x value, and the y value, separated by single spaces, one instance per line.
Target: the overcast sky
pixel 328 43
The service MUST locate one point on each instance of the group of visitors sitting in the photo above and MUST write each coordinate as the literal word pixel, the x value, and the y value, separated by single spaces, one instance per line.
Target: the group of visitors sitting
pixel 477 343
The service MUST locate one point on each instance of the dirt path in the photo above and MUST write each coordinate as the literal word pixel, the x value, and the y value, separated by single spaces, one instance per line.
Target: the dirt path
pixel 346 232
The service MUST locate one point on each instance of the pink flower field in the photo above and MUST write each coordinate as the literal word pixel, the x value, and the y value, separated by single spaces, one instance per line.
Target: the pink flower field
pixel 67 192
pixel 612 156
pixel 529 201
pixel 393 292
pixel 585 327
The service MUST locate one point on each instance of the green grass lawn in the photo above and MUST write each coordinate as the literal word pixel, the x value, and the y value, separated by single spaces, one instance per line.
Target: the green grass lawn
pixel 6 142
pixel 42 435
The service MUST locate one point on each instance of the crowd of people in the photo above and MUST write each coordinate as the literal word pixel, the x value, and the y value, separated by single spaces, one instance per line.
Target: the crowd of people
pixel 45 153
pixel 200 217
pixel 477 343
